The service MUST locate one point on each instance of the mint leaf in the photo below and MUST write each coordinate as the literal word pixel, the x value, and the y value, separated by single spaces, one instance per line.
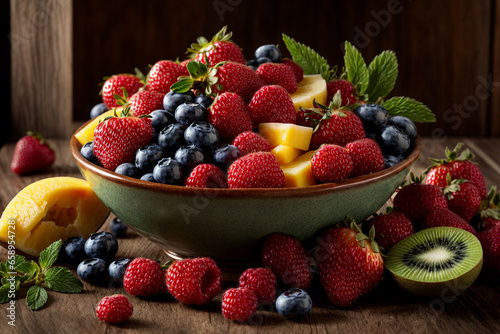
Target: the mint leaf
pixel 62 280
pixel 408 107
pixel 6 294
pixel 36 297
pixel 310 61
pixel 49 255
pixel 355 66
pixel 383 72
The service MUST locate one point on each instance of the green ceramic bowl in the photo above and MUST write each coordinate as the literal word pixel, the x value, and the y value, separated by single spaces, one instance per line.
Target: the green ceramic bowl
pixel 229 225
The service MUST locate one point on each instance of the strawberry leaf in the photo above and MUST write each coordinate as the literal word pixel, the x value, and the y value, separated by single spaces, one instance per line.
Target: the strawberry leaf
pixel 182 85
pixel 355 66
pixel 383 72
pixel 405 106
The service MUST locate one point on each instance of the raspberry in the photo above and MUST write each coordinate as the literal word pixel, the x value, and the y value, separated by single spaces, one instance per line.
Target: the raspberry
pixel 144 277
pixel 114 309
pixel 194 281
pixel 239 304
pixel 261 281
pixel 250 142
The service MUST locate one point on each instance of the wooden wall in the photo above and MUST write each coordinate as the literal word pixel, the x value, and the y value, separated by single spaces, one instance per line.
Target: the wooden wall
pixel 447 50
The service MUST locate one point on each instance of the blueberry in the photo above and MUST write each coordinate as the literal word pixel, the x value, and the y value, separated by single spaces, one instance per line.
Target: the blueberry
pixel 148 177
pixel 204 100
pixel 391 160
pixel 171 138
pixel 73 250
pixel 98 110
pixel 87 151
pixel 252 63
pixel 168 171
pixel 263 60
pixel 172 100
pixel 189 112
pixel 404 124
pixel 270 51
pixel 190 156
pixel 118 228
pixel 160 119
pixel 225 155
pixel 102 245
pixel 294 303
pixel 128 169
pixel 148 156
pixel 373 116
pixel 203 135
pixel 393 141
pixel 93 270
pixel 117 269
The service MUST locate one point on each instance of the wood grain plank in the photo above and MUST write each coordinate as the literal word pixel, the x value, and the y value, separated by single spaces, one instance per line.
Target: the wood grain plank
pixel 495 63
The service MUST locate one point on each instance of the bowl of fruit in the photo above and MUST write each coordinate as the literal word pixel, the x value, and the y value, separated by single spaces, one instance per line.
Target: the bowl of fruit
pixel 210 155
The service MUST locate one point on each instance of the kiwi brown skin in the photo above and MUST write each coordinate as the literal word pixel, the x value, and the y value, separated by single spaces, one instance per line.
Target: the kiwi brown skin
pixel 442 289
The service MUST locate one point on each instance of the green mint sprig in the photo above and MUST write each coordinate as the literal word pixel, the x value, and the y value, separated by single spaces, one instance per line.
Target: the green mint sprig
pixel 405 106
pixel 17 272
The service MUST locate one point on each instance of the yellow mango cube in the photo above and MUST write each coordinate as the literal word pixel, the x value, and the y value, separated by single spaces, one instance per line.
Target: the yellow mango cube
pixel 87 133
pixel 298 173
pixel 285 154
pixel 292 135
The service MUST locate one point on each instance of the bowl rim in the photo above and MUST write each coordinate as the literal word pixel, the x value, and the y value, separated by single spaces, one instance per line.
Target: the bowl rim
pixel 285 192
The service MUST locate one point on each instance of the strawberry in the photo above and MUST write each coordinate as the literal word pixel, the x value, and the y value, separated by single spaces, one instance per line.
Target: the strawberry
pixel 255 170
pixel 239 304
pixel 32 153
pixel 489 211
pixel 206 176
pixel 331 163
pixel 219 49
pixel 297 70
pixel 114 86
pixel 463 198
pixel 444 217
pixel 164 74
pixel 143 103
pixel 347 91
pixel 239 79
pixel 144 277
pixel 261 281
pixel 390 228
pixel 286 257
pixel 114 309
pixel 229 115
pixel 250 142
pixel 349 263
pixel 278 74
pixel 194 281
pixel 117 139
pixel 308 117
pixel 490 242
pixel 272 104
pixel 366 157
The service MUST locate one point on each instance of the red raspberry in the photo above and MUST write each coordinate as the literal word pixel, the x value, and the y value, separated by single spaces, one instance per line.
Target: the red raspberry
pixel 249 142
pixel 194 281
pixel 239 304
pixel 144 277
pixel 256 170
pixel 206 176
pixel 114 309
pixel 278 74
pixel 287 258
pixel 261 281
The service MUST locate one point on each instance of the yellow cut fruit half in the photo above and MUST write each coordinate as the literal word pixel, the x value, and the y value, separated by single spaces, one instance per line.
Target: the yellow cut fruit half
pixel 48 210
pixel 312 87
pixel 87 133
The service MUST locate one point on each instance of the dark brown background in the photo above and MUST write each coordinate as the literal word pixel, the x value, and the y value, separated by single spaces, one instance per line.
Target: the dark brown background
pixel 446 49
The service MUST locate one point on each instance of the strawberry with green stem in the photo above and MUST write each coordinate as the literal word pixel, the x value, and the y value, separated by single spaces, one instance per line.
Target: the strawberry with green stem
pixel 114 88
pixel 219 48
pixel 32 153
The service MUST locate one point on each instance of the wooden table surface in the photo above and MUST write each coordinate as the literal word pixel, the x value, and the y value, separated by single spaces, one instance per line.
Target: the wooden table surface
pixel 384 310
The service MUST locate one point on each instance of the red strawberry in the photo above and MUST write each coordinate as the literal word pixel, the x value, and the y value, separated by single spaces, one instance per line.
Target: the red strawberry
pixel 239 304
pixel 347 91
pixel 255 170
pixel 229 115
pixel 416 199
pixel 114 86
pixel 114 309
pixel 390 228
pixel 144 277
pixel 164 74
pixel 194 281
pixel 278 74
pixel 239 79
pixel 444 217
pixel 117 139
pixel 261 281
pixel 32 153
pixel 308 117
pixel 489 211
pixel 297 70
pixel 366 157
pixel 331 163
pixel 286 257
pixel 349 264
pixel 219 49
pixel 490 241
pixel 250 142
pixel 272 104
pixel 206 176
pixel 463 198
pixel 143 103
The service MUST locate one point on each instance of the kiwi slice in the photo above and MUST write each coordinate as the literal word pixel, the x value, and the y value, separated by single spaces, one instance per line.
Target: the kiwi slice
pixel 434 261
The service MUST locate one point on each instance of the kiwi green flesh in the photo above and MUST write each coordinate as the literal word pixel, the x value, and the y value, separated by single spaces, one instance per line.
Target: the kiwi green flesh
pixel 434 261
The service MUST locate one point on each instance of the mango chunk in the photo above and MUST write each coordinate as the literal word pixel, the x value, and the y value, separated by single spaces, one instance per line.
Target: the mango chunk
pixel 292 135
pixel 298 173
pixel 310 88
pixel 285 154
pixel 87 133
